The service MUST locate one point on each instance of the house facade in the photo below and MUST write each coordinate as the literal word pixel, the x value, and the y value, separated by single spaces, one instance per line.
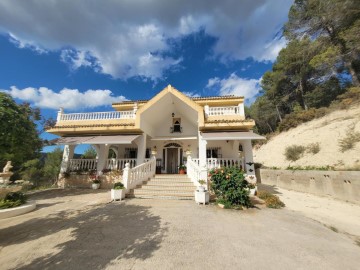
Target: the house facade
pixel 165 132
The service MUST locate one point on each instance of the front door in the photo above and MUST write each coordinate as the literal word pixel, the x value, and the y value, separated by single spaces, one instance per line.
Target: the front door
pixel 172 160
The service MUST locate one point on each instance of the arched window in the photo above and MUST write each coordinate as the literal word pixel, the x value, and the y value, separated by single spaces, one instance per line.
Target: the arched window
pixel 176 125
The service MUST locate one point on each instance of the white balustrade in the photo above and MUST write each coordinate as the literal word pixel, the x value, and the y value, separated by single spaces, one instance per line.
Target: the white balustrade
pixel 82 164
pixel 135 176
pixel 119 164
pixel 91 164
pixel 96 116
pixel 222 162
pixel 195 172
pixel 229 110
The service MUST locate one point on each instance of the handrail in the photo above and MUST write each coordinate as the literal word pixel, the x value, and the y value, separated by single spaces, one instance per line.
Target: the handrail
pixel 135 176
pixel 97 116
pixel 195 172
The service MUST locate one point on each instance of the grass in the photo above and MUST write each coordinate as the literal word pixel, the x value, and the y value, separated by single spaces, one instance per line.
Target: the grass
pixel 348 142
pixel 271 200
pixel 294 152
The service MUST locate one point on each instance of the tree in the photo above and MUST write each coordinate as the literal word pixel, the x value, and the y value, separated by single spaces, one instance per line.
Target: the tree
pixel 19 138
pixel 89 153
pixel 52 164
pixel 333 22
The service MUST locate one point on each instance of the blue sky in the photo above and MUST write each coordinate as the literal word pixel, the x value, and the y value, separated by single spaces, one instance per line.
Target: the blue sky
pixel 84 55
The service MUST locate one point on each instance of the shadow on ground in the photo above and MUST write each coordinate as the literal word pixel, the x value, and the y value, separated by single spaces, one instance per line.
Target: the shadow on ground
pixel 98 236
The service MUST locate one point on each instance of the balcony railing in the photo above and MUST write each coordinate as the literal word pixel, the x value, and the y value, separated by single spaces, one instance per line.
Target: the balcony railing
pixel 229 110
pixel 212 163
pixel 96 116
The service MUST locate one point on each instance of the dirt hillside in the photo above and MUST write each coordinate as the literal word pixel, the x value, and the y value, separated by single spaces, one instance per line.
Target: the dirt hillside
pixel 327 132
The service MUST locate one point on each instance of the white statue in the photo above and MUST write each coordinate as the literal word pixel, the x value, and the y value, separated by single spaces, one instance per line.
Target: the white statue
pixel 7 167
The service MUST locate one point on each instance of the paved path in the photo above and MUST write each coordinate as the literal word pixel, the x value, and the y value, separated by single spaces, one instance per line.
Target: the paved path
pixel 74 229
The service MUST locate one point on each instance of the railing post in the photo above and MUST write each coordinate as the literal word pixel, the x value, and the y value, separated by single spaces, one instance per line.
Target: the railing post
pixel 126 180
pixel 203 175
pixel 206 110
pixel 60 113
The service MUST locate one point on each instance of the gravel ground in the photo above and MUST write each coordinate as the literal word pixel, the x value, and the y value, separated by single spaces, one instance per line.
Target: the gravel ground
pixel 80 229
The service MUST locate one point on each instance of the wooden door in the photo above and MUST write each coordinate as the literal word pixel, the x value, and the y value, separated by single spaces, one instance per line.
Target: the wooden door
pixel 172 160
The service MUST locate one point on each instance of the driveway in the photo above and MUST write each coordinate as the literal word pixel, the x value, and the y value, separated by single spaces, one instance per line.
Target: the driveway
pixel 79 229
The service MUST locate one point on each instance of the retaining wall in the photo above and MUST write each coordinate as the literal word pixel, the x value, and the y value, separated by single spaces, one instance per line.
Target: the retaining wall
pixel 343 185
pixel 84 181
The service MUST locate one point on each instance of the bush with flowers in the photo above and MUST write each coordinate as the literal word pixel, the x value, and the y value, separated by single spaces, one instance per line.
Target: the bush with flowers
pixel 229 185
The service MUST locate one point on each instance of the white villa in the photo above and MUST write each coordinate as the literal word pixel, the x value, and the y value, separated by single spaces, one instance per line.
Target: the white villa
pixel 156 136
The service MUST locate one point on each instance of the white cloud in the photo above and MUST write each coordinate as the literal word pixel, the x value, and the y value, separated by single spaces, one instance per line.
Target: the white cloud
pixel 234 85
pixel 126 39
pixel 72 99
pixel 191 94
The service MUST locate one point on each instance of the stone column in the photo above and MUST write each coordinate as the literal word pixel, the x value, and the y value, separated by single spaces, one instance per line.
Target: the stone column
pixel 202 151
pixel 141 144
pixel 249 162
pixel 102 155
pixel 67 155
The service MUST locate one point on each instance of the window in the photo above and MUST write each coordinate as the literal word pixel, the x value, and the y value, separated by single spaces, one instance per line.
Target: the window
pixel 213 152
pixel 176 126
pixel 148 153
pixel 130 152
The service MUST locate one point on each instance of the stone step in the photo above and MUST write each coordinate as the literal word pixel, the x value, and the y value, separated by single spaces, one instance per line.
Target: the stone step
pixel 165 181
pixel 171 176
pixel 155 187
pixel 162 191
pixel 168 184
pixel 161 197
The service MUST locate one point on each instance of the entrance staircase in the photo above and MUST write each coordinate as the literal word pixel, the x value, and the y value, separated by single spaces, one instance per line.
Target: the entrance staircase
pixel 165 186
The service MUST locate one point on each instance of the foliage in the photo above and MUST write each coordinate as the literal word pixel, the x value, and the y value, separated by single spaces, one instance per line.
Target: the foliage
pixel 19 138
pixel 274 202
pixel 227 204
pixel 310 168
pixel 182 167
pixel 202 182
pixel 294 152
pixel 348 142
pixel 52 164
pixel 89 153
pixel 296 118
pixel 229 185
pixel 119 185
pixel 271 200
pixel 13 199
pixel 321 60
pixel 32 171
pixel 313 148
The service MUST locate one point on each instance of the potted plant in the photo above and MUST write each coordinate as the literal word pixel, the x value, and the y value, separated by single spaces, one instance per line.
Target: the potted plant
pixel 182 169
pixel 252 189
pixel 201 188
pixel 95 184
pixel 201 195
pixel 118 192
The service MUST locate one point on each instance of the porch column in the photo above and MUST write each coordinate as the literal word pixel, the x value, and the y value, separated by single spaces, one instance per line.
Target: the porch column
pixel 202 151
pixel 67 155
pixel 249 162
pixel 102 155
pixel 141 144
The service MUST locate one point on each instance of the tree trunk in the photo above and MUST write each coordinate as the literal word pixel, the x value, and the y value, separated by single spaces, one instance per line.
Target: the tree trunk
pixel 354 77
pixel 277 109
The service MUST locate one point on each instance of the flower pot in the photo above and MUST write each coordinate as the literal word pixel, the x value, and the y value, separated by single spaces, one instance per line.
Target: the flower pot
pixel 202 197
pixel 95 186
pixel 181 171
pixel 201 189
pixel 252 191
pixel 117 194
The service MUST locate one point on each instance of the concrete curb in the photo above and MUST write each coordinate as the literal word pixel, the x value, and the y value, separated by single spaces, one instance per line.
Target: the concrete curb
pixel 11 212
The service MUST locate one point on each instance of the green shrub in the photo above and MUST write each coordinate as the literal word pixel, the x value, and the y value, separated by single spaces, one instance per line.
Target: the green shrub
pixel 274 202
pixel 229 185
pixel 271 200
pixel 296 118
pixel 262 194
pixel 294 152
pixel 12 199
pixel 313 148
pixel 349 141
pixel 119 185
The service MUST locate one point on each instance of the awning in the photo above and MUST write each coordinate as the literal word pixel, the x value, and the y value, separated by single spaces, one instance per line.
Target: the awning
pixel 173 138
pixel 219 136
pixel 116 139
